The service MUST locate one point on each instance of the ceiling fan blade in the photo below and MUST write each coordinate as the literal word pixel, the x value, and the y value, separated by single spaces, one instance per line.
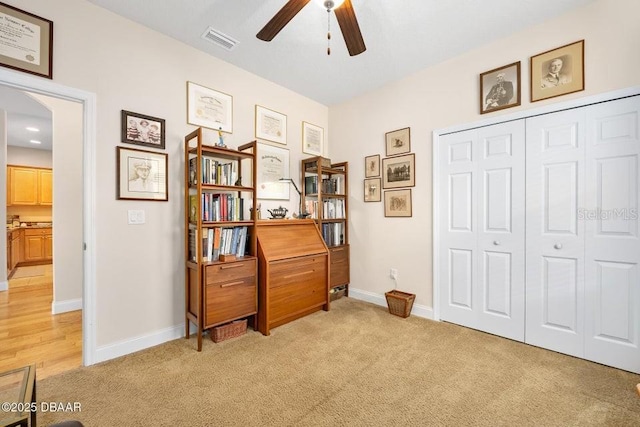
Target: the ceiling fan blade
pixel 346 17
pixel 281 19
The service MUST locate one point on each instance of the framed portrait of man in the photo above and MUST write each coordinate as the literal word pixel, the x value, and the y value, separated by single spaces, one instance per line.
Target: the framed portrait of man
pixel 557 71
pixel 500 88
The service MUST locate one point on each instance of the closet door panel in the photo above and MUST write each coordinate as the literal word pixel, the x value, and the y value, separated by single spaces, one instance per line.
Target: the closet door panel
pixel 555 238
pixel 501 223
pixel 612 244
pixel 458 231
pixel 482 229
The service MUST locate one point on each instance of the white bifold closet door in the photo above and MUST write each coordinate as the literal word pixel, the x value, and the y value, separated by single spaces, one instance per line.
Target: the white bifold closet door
pixel 583 248
pixel 482 229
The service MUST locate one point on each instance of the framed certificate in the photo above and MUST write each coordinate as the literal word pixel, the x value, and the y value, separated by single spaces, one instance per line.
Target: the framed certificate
pixel 26 42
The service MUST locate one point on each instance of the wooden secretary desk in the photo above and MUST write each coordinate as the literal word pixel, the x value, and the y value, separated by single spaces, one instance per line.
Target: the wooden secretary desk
pixel 293 265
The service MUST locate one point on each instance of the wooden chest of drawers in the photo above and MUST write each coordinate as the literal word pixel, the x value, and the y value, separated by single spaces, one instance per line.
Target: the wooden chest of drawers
pixel 230 291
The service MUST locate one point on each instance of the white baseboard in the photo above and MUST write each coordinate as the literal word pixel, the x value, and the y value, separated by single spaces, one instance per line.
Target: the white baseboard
pixel 58 307
pixel 377 299
pixel 4 285
pixel 122 348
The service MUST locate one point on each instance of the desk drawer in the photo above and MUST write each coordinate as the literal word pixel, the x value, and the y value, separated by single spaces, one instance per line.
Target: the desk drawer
pixel 230 300
pixel 296 285
pixel 230 271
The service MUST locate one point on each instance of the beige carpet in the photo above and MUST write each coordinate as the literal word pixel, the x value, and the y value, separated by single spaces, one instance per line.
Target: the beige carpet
pixel 356 365
pixel 29 271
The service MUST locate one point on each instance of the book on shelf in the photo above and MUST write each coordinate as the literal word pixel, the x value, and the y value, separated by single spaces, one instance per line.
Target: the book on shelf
pixel 193 208
pixel 311 184
pixel 333 233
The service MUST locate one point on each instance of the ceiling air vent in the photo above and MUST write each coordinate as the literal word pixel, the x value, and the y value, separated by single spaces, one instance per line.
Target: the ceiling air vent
pixel 220 39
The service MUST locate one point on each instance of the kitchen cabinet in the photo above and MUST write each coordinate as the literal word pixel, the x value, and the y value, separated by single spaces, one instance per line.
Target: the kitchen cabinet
pixel 38 244
pixel 29 186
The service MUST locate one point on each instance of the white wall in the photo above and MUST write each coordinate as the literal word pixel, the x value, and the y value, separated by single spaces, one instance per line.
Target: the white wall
pixel 446 95
pixel 140 269
pixel 67 199
pixel 22 156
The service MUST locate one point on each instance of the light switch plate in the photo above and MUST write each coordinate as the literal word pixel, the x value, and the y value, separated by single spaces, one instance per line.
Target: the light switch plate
pixel 136 217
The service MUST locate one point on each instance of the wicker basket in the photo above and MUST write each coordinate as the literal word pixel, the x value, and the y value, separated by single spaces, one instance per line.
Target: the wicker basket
pixel 400 303
pixel 230 330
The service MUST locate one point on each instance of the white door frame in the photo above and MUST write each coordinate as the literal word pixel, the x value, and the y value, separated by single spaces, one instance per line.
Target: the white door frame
pixel 435 169
pixel 88 100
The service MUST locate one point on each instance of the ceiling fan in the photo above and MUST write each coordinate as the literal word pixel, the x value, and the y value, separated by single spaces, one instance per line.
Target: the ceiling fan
pixel 344 14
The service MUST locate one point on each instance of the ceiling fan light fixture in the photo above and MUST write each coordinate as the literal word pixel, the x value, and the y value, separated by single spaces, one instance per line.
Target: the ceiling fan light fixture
pixel 330 4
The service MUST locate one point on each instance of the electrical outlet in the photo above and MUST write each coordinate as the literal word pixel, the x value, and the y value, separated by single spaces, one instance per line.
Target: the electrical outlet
pixel 394 274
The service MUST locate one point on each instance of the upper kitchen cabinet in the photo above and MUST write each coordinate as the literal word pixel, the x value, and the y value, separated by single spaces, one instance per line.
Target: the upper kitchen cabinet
pixel 29 186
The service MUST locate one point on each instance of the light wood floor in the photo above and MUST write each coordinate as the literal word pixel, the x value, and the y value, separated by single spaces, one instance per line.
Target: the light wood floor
pixel 30 334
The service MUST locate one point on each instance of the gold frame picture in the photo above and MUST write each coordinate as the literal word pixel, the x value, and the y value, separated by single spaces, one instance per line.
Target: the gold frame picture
pixel 399 171
pixel 397 203
pixel 557 71
pixel 209 108
pixel 500 88
pixel 372 189
pixel 398 142
pixel 372 166
pixel 271 125
pixel 312 139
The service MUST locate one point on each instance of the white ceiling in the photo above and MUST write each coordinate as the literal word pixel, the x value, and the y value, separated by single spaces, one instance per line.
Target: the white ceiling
pixel 24 111
pixel 402 36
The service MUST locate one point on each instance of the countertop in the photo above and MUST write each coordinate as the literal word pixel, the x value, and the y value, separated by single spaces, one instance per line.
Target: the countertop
pixel 10 228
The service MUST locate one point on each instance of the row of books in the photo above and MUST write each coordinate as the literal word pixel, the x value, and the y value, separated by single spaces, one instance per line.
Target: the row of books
pixel 213 172
pixel 217 207
pixel 333 233
pixel 217 241
pixel 331 209
pixel 334 185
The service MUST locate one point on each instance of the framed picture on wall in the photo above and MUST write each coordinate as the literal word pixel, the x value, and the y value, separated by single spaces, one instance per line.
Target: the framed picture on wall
pixel 141 175
pixel 26 41
pixel 271 125
pixel 372 166
pixel 312 139
pixel 272 164
pixel 209 108
pixel 557 71
pixel 372 189
pixel 142 130
pixel 399 171
pixel 397 203
pixel 398 142
pixel 500 88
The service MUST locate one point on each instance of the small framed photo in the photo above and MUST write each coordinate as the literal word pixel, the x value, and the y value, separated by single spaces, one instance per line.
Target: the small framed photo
pixel 557 72
pixel 26 42
pixel 397 203
pixel 142 130
pixel 372 189
pixel 398 142
pixel 500 88
pixel 399 171
pixel 209 108
pixel 271 125
pixel 372 166
pixel 312 139
pixel 141 175
pixel 272 165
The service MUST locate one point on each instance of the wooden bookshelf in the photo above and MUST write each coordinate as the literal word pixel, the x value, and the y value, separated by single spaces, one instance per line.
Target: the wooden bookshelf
pixel 219 192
